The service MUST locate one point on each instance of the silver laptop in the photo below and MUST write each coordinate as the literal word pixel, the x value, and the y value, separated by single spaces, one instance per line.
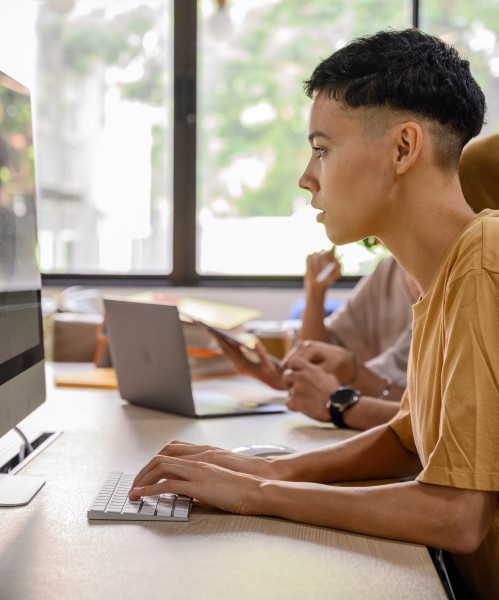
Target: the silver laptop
pixel 149 355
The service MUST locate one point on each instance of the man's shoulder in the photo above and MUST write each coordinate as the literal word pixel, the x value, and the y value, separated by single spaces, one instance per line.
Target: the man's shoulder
pixel 488 218
pixel 490 233
pixel 476 249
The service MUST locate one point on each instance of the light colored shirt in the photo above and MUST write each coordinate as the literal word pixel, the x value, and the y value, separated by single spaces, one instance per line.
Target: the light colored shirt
pixel 375 318
pixel 393 361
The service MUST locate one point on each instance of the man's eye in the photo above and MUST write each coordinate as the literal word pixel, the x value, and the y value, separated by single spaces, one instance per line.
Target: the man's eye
pixel 320 151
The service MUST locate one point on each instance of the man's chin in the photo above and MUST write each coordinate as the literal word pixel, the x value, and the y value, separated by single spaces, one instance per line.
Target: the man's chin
pixel 337 238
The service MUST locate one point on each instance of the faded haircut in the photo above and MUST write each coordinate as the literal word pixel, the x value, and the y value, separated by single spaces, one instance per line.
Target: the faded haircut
pixel 411 73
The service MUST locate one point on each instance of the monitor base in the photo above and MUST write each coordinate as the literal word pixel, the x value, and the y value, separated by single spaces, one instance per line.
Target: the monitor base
pixel 18 490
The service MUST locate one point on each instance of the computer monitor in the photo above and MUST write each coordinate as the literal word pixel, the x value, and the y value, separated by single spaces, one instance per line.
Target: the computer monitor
pixel 22 375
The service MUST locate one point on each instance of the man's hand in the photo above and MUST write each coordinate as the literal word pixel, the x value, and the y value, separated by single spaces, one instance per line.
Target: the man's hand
pixel 309 388
pixel 221 478
pixel 213 485
pixel 334 360
pixel 242 463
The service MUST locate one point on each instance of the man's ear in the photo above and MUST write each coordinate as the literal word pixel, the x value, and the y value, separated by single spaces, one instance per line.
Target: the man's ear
pixel 409 144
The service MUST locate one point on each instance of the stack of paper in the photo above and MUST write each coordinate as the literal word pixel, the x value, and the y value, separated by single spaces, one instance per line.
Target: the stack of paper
pixel 204 353
pixel 198 338
pixel 201 366
pixel 216 314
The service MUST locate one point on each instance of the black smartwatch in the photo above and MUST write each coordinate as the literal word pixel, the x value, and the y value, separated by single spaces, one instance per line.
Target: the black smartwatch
pixel 340 400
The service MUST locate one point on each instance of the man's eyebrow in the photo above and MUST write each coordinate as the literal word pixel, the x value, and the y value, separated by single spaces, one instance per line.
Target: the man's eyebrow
pixel 316 134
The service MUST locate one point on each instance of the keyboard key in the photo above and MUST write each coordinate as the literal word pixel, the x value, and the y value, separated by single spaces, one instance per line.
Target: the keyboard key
pixel 149 505
pixel 181 512
pixel 132 508
pixel 165 505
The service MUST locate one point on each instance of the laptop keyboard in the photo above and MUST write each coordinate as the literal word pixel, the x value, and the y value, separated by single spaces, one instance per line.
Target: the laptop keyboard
pixel 112 503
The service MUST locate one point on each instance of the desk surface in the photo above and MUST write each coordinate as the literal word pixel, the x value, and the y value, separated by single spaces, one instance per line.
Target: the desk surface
pixel 49 550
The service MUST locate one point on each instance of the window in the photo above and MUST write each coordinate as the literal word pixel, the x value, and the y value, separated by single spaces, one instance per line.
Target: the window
pixel 102 81
pixel 171 133
pixel 472 28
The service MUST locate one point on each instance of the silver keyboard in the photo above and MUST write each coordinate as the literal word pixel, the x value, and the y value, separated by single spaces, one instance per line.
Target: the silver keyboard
pixel 112 503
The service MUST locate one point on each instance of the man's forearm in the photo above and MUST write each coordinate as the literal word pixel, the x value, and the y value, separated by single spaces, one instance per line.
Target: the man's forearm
pixel 313 327
pixel 370 412
pixel 450 518
pixel 412 512
pixel 374 454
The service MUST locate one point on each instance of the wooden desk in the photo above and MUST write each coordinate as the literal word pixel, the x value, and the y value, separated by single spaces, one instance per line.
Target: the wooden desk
pixel 49 550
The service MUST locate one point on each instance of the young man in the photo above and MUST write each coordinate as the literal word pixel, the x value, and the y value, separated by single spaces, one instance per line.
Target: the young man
pixel 390 115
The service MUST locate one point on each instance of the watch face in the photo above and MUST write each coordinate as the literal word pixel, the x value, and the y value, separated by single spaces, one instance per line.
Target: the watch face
pixel 339 401
pixel 344 395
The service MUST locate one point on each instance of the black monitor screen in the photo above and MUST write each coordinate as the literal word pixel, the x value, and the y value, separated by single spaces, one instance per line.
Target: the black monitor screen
pixel 21 334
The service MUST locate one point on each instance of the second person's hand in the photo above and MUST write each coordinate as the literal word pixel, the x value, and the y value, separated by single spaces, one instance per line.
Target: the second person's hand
pixel 257 363
pixel 322 268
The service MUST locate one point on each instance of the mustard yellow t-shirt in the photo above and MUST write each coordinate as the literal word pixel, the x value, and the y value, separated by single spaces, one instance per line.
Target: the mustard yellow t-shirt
pixel 450 411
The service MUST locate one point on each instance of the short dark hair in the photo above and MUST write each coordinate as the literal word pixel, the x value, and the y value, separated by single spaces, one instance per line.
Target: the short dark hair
pixel 408 71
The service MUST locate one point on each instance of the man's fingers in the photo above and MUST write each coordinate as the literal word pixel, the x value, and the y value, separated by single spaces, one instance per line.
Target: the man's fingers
pixel 159 468
pixel 298 363
pixel 184 449
pixel 167 486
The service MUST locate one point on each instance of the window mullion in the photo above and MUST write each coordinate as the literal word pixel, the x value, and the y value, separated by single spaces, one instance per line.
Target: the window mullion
pixel 184 142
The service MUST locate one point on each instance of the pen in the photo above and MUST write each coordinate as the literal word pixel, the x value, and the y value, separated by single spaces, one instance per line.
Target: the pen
pixel 326 271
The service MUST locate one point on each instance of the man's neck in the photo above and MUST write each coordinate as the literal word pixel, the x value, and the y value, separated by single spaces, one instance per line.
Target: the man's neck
pixel 425 224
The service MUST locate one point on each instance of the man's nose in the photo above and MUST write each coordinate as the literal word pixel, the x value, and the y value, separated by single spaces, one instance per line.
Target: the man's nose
pixel 306 182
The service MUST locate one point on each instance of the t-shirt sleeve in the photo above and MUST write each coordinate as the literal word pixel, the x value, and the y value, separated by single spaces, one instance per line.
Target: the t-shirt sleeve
pixel 401 424
pixel 466 454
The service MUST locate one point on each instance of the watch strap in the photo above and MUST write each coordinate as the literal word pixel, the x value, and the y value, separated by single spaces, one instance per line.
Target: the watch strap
pixel 337 417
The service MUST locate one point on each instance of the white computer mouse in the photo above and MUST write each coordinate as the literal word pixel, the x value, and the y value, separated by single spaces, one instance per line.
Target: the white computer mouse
pixel 263 450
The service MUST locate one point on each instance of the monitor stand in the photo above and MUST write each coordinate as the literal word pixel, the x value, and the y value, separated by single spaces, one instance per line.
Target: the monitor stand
pixel 17 490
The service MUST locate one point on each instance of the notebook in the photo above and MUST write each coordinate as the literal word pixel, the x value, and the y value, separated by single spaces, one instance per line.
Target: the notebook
pixel 149 355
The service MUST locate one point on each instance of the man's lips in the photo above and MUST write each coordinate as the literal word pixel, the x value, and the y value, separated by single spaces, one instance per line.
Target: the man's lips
pixel 320 213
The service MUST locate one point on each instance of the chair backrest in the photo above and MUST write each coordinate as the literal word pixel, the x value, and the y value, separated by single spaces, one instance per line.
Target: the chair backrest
pixel 479 173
